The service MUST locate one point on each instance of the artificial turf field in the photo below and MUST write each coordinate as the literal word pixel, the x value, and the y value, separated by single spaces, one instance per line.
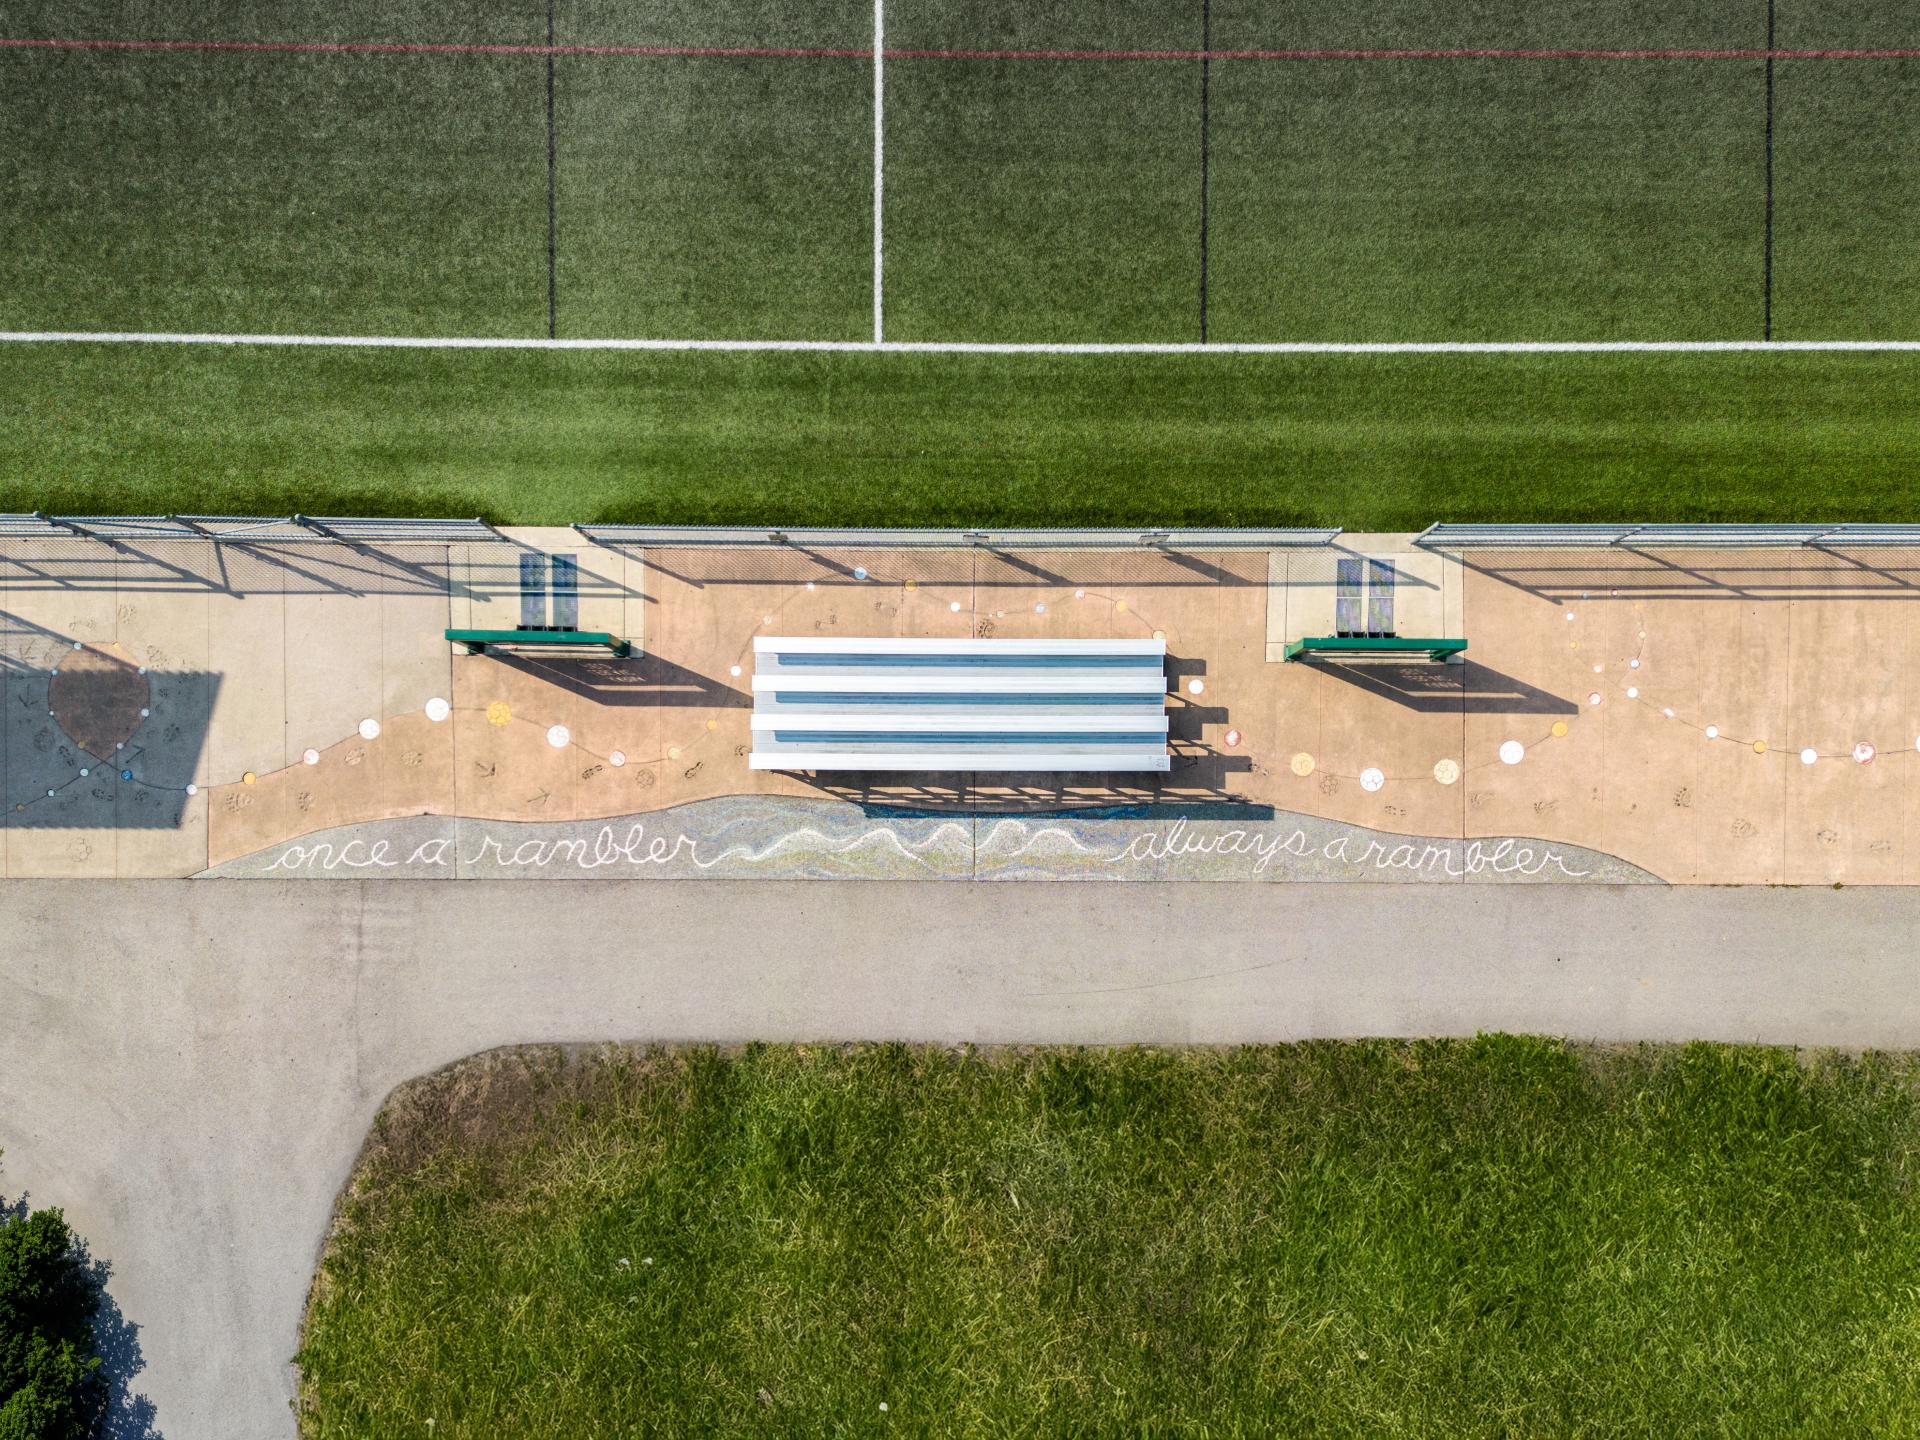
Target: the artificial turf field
pixel 1042 192
pixel 1503 1237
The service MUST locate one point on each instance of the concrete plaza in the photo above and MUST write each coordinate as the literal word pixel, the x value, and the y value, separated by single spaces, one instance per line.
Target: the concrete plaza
pixel 1623 715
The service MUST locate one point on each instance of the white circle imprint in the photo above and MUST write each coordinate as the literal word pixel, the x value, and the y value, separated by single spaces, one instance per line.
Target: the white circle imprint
pixel 1040 609
pixel 954 606
pixel 1233 738
pixel 1512 752
pixel 1863 753
pixel 1371 779
pixel 1809 755
pixel 1634 664
pixel 1196 687
pixel 859 572
pixel 734 670
pixel 310 756
pixel 438 709
pixel 810 585
pixel 193 789
pixel 1713 732
pixel 559 736
pixel 617 759
pixel 1593 698
pixel 1633 692
pixel 369 729
pixel 1446 771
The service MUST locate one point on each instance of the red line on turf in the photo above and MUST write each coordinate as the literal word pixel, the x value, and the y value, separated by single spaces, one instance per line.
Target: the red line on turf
pixel 782 52
pixel 1458 54
pixel 377 47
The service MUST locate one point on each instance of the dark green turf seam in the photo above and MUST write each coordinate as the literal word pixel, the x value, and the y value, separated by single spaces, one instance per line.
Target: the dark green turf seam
pixel 553 198
pixel 1766 263
pixel 1206 128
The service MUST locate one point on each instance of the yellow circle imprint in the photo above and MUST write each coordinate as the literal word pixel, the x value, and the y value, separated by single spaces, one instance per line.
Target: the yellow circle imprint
pixel 1446 771
pixel 499 713
pixel 1302 764
pixel 1559 729
pixel 249 778
pixel 1759 747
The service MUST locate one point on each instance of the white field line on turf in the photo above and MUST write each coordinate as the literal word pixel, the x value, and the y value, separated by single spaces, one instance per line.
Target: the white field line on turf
pixel 879 164
pixel 961 347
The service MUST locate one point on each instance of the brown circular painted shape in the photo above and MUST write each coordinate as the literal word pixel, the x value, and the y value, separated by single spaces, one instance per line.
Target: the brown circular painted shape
pixel 97 698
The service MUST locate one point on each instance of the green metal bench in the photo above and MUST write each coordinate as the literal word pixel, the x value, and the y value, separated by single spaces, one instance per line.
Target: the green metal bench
pixel 1433 649
pixel 477 641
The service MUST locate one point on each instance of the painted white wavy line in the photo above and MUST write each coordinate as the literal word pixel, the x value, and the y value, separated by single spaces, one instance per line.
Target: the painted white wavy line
pixel 1050 832
pixel 827 846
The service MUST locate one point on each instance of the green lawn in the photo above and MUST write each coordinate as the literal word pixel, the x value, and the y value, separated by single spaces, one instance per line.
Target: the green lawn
pixel 1503 1237
pixel 1026 200
pixel 1374 442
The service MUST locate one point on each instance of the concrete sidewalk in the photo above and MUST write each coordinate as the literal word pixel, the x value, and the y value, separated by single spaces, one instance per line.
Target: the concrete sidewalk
pixel 1705 716
pixel 189 1069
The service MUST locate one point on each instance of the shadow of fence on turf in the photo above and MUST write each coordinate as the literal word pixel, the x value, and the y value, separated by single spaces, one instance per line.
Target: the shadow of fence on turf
pixel 991 571
pixel 1762 573
pixel 479 571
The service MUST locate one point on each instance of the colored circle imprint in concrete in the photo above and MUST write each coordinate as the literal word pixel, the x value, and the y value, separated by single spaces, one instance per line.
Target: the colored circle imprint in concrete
pixel 559 736
pixel 1447 772
pixel 438 709
pixel 499 713
pixel 1809 755
pixel 1863 753
pixel 98 699
pixel 1559 729
pixel 1512 752
pixel 1301 764
pixel 1371 779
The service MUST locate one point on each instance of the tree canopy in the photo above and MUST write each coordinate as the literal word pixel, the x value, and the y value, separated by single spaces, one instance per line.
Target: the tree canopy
pixel 50 1386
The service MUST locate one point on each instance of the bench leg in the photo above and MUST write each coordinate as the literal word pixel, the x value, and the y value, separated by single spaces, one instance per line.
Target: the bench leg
pixel 622 649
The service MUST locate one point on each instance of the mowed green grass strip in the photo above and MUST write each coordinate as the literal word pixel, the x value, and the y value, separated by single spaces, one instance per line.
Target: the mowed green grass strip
pixel 1368 442
pixel 1498 1237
